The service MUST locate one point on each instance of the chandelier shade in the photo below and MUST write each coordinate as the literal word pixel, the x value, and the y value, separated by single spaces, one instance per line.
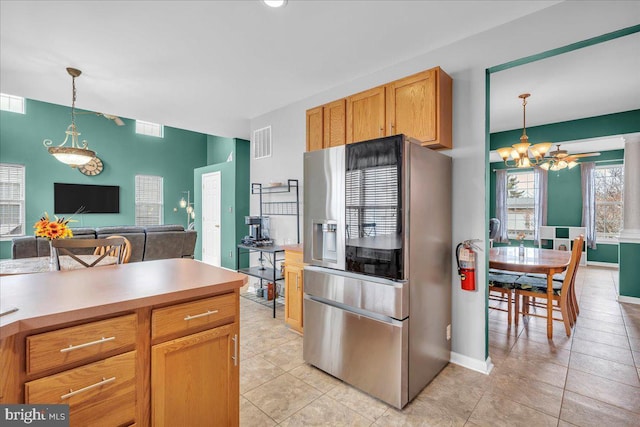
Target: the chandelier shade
pixel 76 153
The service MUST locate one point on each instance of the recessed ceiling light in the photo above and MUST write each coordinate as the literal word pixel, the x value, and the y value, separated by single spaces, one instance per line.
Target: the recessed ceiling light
pixel 275 3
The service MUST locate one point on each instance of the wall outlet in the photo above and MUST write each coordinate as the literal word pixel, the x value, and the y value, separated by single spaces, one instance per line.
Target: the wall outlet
pixel 448 332
pixel 230 254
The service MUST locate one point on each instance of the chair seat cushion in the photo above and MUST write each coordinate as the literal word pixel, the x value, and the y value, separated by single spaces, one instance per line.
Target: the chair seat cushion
pixel 512 273
pixel 537 284
pixel 559 277
pixel 506 281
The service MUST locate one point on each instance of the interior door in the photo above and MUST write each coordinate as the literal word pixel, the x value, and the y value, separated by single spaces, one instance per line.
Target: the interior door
pixel 211 192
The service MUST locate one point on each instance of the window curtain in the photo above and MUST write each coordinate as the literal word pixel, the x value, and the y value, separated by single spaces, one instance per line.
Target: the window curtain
pixel 540 202
pixel 501 204
pixel 588 176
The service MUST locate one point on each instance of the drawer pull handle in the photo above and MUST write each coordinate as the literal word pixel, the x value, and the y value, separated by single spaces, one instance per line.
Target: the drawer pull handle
pixel 189 317
pixel 235 350
pixel 88 344
pixel 87 388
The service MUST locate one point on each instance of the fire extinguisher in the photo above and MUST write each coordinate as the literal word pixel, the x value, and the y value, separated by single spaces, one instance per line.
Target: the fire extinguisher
pixel 466 259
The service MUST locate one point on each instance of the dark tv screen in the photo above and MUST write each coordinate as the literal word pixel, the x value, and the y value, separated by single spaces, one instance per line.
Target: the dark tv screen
pixel 69 198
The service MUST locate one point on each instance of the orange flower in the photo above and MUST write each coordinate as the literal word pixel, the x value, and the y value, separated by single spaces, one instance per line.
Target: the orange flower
pixel 57 229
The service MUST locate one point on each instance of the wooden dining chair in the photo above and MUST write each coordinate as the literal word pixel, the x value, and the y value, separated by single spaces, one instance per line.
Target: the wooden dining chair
pixel 67 247
pixel 125 253
pixel 533 292
pixel 502 284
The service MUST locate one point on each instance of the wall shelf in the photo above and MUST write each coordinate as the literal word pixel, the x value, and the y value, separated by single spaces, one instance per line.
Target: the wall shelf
pixel 562 238
pixel 287 207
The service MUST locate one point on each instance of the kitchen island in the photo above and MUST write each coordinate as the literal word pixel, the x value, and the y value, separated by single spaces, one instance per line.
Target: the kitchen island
pixel 153 343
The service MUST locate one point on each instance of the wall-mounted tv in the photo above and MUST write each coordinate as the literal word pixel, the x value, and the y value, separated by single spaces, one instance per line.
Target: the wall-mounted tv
pixel 69 198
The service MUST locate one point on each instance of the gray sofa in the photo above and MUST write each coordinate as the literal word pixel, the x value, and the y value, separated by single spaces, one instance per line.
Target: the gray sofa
pixel 147 243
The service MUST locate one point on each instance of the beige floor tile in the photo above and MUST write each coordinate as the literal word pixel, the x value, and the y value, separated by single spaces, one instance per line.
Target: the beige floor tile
pixel 584 411
pixel 362 403
pixel 587 334
pixel 532 393
pixel 604 351
pixel 634 343
pixel 315 377
pixel 287 356
pixel 325 411
pixel 535 369
pixel 256 371
pixel 604 368
pixel 597 315
pixel 538 333
pixel 562 423
pixel 251 416
pixel 259 345
pixel 605 390
pixel 456 391
pixel 546 352
pixel 422 413
pixel 599 325
pixel 282 397
pixel 498 411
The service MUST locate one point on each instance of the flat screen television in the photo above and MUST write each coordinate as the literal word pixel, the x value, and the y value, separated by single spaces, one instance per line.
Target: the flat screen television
pixel 69 198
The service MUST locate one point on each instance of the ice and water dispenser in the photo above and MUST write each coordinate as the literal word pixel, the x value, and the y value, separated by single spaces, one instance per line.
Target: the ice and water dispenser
pixel 325 244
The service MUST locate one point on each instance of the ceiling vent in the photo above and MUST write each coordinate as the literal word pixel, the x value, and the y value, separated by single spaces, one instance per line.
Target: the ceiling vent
pixel 262 143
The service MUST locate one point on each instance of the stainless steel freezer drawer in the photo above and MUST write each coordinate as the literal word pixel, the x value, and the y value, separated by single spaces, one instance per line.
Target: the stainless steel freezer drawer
pixel 369 354
pixel 381 296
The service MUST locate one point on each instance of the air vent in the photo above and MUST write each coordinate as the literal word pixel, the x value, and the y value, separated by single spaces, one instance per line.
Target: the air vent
pixel 262 143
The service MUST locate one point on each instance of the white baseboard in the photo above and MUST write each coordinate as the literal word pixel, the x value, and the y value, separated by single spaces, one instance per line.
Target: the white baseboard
pixel 630 300
pixel 482 366
pixel 603 264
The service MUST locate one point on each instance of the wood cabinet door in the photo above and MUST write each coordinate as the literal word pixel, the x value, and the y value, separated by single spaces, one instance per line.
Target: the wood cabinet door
pixel 335 122
pixel 412 106
pixel 293 300
pixel 314 129
pixel 366 115
pixel 195 379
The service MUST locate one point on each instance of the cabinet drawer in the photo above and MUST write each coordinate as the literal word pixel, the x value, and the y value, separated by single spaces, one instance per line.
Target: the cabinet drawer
pixel 101 393
pixel 64 346
pixel 183 318
pixel 293 257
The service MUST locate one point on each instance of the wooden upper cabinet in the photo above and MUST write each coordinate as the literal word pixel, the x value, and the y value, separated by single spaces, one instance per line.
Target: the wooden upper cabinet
pixel 335 120
pixel 314 129
pixel 366 115
pixel 419 106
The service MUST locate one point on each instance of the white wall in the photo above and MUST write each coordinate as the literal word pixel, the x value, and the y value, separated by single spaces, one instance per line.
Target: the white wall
pixel 466 61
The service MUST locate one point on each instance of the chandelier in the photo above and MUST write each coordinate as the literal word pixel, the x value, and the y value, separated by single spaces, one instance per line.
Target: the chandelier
pixel 523 154
pixel 77 153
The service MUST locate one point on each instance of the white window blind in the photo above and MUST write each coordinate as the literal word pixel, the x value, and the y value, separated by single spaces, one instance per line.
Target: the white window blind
pixel 372 201
pixel 12 103
pixel 149 200
pixel 149 129
pixel 609 183
pixel 12 216
pixel 520 203
pixel 262 143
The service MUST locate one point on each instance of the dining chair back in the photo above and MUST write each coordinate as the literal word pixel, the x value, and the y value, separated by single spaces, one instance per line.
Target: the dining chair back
pixel 125 253
pixel 70 246
pixel 563 292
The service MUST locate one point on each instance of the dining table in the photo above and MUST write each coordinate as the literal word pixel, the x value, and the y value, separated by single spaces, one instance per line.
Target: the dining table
pixel 532 260
pixel 43 264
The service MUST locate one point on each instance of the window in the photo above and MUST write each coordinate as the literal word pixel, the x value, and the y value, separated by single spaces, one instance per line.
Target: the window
pixel 150 129
pixel 15 104
pixel 149 200
pixel 609 183
pixel 12 217
pixel 520 204
pixel 262 143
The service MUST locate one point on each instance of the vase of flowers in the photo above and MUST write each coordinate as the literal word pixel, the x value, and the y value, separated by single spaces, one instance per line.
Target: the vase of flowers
pixel 51 230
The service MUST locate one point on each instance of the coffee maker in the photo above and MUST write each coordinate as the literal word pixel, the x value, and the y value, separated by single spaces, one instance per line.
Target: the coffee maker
pixel 258 231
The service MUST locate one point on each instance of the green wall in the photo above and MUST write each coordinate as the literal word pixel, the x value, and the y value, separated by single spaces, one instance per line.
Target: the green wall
pixel 123 152
pixel 629 269
pixel 234 203
pixel 564 187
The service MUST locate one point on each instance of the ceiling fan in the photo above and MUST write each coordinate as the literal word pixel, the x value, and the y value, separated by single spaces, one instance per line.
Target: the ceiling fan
pixel 560 159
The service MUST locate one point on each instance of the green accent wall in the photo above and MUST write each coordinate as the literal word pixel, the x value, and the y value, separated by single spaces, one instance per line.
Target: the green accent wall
pixel 123 153
pixel 234 198
pixel 629 270
pixel 564 187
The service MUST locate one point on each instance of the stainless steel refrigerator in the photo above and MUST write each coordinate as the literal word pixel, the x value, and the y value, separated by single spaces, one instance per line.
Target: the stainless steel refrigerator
pixel 377 238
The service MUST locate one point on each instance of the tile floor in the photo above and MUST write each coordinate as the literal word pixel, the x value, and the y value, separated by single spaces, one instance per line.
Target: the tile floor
pixel 589 379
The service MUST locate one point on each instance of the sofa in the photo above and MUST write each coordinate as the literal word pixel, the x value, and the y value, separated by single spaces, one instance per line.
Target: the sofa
pixel 147 243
